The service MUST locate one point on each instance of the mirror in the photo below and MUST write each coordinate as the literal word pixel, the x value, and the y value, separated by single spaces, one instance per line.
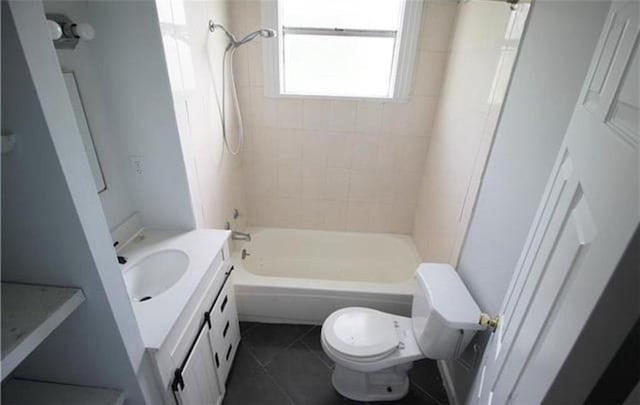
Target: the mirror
pixel 85 132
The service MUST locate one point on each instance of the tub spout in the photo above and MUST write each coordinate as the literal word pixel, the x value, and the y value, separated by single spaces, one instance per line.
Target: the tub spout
pixel 235 235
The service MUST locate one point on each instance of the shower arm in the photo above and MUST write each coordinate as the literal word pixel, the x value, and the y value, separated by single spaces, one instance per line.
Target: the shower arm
pixel 233 42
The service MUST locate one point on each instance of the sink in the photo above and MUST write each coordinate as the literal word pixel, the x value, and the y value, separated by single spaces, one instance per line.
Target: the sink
pixel 155 274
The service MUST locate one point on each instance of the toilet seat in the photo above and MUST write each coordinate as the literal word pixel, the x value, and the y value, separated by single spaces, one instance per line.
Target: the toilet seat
pixel 361 334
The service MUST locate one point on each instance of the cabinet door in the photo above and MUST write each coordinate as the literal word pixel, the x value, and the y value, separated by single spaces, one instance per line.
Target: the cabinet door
pixel 199 375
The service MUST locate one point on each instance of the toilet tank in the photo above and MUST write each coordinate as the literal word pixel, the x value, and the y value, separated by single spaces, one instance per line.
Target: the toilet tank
pixel 444 315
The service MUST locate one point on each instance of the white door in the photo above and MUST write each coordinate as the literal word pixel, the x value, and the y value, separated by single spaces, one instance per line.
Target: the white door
pixel 586 218
pixel 199 375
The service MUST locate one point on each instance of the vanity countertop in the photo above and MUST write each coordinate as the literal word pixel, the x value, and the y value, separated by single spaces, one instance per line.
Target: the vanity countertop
pixel 157 316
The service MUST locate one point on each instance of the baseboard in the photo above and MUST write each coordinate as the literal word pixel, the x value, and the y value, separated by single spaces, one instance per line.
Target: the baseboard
pixel 448 382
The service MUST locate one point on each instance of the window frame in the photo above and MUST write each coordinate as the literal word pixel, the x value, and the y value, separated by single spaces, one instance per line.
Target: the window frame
pixel 405 50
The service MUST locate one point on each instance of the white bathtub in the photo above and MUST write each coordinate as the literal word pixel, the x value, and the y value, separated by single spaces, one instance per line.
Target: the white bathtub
pixel 302 276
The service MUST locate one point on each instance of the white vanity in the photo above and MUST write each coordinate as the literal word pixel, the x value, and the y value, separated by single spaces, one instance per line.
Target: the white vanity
pixel 181 290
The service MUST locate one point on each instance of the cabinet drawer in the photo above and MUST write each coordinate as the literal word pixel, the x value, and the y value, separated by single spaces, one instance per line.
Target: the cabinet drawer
pixel 225 331
pixel 224 351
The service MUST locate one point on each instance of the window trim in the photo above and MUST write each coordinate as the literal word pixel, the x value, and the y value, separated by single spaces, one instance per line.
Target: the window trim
pixel 409 34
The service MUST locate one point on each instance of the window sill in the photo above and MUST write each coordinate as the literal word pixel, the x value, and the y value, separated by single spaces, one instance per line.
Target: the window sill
pixel 338 98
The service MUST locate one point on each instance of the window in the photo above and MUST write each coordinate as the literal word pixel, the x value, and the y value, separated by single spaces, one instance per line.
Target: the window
pixel 341 48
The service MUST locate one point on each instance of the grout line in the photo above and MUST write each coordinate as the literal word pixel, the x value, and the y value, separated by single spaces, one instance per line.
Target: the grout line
pixel 301 340
pixel 282 389
pixel 281 350
pixel 296 340
pixel 330 367
pixel 253 355
pixel 270 377
pixel 424 391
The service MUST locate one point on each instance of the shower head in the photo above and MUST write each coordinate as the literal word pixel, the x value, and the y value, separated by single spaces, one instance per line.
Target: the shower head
pixel 234 43
pixel 268 33
pixel 264 33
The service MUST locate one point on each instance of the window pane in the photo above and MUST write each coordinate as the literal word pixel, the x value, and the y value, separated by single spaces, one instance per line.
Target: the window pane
pixel 351 14
pixel 337 66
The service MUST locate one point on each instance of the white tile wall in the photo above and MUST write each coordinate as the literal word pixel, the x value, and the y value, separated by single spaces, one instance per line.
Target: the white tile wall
pixel 338 164
pixel 469 109
pixel 215 177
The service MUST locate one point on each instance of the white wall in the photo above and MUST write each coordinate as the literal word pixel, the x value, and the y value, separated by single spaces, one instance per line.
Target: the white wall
pixel 130 62
pixel 551 68
pixel 123 82
pixel 116 200
pixel 53 228
pixel 553 60
pixel 194 58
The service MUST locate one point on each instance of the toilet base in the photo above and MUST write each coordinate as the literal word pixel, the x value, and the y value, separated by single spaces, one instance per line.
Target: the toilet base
pixel 383 385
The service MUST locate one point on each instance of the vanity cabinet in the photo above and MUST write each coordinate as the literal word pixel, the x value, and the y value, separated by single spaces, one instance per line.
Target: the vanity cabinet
pixel 193 362
pixel 202 378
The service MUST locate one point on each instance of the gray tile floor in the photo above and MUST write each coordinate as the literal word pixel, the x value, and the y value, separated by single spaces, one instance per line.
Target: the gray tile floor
pixel 285 364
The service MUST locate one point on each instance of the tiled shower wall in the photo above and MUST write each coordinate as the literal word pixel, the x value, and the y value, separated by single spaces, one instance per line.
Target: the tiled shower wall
pixel 338 164
pixel 484 48
pixel 194 61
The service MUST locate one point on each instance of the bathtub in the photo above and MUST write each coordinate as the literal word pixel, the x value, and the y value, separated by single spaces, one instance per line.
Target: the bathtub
pixel 301 276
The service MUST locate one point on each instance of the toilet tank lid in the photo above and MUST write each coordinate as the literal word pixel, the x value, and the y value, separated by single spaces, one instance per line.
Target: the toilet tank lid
pixel 448 295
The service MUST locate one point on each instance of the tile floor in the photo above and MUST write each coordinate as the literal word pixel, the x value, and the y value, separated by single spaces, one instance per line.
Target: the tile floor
pixel 285 364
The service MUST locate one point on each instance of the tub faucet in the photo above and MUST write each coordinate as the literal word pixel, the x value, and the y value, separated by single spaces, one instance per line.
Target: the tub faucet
pixel 235 235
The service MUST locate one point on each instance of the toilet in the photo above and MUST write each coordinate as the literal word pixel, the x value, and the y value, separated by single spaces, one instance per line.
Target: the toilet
pixel 374 350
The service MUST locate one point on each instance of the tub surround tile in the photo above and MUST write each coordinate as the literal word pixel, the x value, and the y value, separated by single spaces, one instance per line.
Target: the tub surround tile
pixel 395 118
pixel 365 153
pixel 289 146
pixel 369 117
pixel 300 373
pixel 314 150
pixel 335 216
pixel 378 146
pixel 438 25
pixel 464 125
pixel 433 64
pixel 289 180
pixel 340 152
pixel 343 116
pixel 289 112
pixel 336 186
pixel 316 114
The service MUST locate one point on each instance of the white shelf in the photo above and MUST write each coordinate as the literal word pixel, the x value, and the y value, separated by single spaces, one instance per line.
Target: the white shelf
pixel 29 314
pixel 26 392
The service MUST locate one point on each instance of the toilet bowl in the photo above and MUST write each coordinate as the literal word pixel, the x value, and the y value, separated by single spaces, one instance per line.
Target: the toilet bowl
pixel 374 350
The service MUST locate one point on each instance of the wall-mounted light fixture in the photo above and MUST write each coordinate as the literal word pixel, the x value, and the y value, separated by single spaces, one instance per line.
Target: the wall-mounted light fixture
pixel 66 34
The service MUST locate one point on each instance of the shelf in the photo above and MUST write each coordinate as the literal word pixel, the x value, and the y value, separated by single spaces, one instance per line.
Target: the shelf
pixel 29 314
pixel 27 392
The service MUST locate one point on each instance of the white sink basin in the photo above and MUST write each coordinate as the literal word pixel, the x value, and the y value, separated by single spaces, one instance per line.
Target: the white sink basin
pixel 155 274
